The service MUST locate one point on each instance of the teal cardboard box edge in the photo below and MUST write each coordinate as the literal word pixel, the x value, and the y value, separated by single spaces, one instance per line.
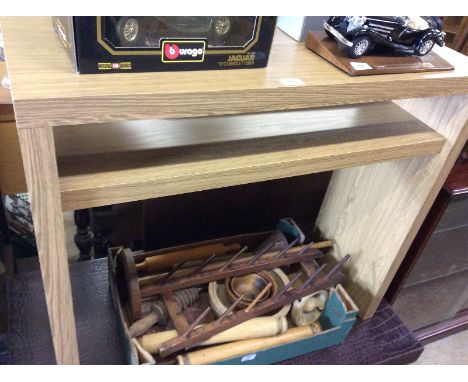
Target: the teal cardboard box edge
pixel 337 319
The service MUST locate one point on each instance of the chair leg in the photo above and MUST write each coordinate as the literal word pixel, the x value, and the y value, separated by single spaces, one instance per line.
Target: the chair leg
pixel 84 237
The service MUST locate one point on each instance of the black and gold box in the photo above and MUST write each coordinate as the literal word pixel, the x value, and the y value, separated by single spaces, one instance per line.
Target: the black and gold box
pixel 104 44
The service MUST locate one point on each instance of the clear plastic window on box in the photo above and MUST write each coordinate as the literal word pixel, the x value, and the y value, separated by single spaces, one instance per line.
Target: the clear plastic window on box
pixel 143 32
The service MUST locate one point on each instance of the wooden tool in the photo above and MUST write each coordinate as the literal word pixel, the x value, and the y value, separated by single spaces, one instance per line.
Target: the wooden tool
pixel 235 259
pixel 308 309
pixel 159 314
pixel 315 282
pixel 259 327
pixel 239 348
pixel 251 285
pixel 165 261
pixel 261 261
pixel 127 282
pixel 133 289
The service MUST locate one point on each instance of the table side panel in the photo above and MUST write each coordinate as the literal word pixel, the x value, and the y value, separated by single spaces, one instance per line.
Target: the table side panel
pixel 373 212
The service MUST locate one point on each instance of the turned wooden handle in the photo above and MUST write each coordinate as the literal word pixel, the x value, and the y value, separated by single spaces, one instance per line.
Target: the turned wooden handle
pixel 237 349
pixel 167 260
pixel 323 244
pixel 255 328
pixel 140 326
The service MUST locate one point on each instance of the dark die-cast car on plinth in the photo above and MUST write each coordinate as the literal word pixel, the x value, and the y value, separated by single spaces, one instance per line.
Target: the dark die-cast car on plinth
pixel 408 34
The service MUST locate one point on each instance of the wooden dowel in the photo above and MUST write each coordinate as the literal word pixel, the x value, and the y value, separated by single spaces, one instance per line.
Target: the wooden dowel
pixel 259 297
pixel 231 308
pixel 239 348
pixel 338 266
pixel 323 244
pixel 174 269
pixel 313 276
pixel 288 285
pixel 196 322
pixel 261 253
pixel 233 258
pixel 292 244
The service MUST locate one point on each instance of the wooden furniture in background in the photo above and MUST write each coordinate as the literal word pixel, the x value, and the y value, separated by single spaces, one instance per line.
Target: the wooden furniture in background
pixel 11 165
pixel 456 28
pixel 199 216
pixel 435 269
pixel 373 211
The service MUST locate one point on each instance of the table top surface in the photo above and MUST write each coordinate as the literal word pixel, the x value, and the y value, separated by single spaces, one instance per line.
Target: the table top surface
pixel 46 91
pixel 40 68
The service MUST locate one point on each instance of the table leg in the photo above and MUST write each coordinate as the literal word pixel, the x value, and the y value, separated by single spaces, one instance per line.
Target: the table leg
pixel 374 212
pixel 40 165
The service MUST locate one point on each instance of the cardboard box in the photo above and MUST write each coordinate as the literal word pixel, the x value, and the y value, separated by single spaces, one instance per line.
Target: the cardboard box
pixel 336 320
pixel 105 44
pixel 297 27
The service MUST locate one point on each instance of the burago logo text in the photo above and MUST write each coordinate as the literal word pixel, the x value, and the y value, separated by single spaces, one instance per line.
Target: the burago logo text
pixel 183 51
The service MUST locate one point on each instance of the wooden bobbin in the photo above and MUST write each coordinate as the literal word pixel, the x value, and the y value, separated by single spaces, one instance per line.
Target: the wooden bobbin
pixel 128 284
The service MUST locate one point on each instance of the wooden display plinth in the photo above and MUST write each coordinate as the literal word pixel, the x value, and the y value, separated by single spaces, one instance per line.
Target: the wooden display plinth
pixel 384 63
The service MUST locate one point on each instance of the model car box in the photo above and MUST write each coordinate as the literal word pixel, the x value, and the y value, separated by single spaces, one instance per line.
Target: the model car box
pixel 335 322
pixel 104 44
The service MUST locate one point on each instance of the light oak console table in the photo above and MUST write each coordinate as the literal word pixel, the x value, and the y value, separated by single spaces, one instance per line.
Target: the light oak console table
pixel 390 141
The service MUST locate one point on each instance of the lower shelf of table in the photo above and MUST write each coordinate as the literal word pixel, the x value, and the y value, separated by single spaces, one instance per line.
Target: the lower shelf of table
pixel 115 163
pixel 382 339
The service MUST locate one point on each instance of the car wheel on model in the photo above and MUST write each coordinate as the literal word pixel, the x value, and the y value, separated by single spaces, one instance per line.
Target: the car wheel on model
pixel 361 46
pixel 424 46
pixel 128 29
pixel 220 29
pixel 329 34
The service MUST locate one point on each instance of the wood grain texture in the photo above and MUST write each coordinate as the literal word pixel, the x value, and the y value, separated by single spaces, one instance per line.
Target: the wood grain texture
pixel 12 178
pixel 100 179
pixel 45 89
pixel 7 113
pixel 37 147
pixel 374 212
pixel 125 136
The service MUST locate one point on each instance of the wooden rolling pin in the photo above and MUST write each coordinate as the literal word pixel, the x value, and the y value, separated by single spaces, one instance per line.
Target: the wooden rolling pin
pixel 237 349
pixel 165 261
pixel 255 328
